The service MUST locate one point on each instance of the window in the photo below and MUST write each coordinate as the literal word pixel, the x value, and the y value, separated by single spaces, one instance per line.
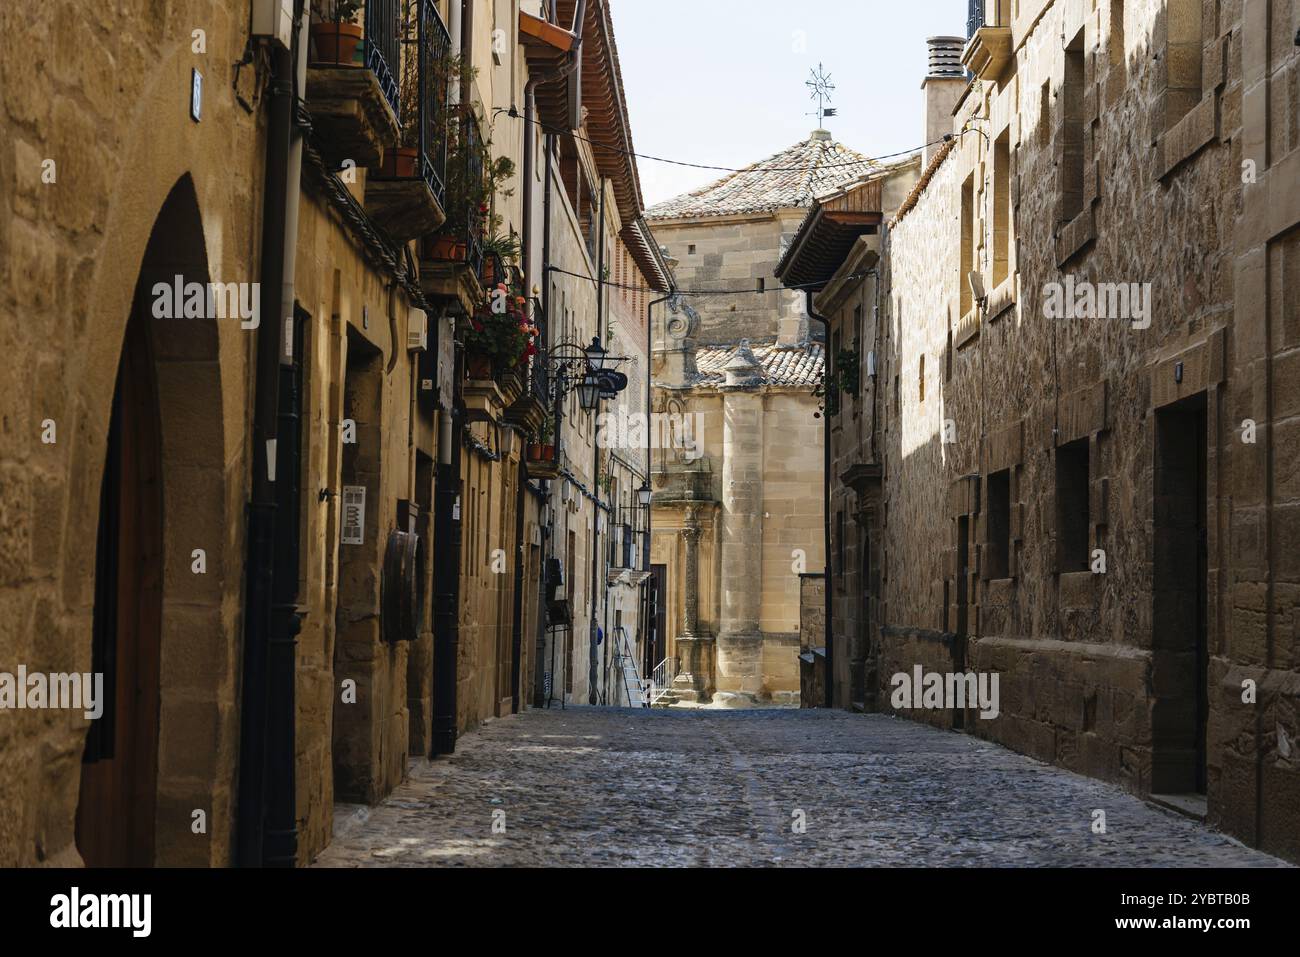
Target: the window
pixel 690 250
pixel 1002 208
pixel 967 244
pixel 1045 115
pixel 1182 60
pixel 998 530
pixel 1072 130
pixel 1072 507
pixel 762 285
pixel 920 379
pixel 839 547
pixel 1117 33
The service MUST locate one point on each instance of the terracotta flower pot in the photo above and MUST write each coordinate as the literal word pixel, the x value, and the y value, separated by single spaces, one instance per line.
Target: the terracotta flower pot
pixel 539 452
pixel 447 249
pixel 403 162
pixel 336 43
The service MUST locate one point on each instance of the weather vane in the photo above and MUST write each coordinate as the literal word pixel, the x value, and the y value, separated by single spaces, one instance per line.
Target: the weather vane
pixel 820 87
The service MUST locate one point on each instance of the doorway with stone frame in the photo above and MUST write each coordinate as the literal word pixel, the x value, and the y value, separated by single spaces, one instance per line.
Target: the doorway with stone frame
pixel 159 636
pixel 1179 621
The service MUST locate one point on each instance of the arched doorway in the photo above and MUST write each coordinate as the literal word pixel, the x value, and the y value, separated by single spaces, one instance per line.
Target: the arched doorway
pixel 165 430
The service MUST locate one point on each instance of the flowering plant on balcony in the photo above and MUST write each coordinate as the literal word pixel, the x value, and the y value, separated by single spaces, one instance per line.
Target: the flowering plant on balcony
pixel 501 331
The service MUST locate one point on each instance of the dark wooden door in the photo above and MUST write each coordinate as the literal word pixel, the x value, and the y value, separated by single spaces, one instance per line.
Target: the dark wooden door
pixel 115 814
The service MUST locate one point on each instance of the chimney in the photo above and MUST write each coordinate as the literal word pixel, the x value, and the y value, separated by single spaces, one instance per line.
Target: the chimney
pixel 943 86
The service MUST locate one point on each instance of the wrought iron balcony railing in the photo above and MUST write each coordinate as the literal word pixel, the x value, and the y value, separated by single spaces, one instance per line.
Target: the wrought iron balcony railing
pixel 475 173
pixel 383 48
pixel 434 50
pixel 975 17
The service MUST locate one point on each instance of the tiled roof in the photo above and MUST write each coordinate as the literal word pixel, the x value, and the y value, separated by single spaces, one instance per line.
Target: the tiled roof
pixel 801 366
pixel 790 179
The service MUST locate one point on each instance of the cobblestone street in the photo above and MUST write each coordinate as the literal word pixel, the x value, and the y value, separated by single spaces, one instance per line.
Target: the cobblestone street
pixel 598 787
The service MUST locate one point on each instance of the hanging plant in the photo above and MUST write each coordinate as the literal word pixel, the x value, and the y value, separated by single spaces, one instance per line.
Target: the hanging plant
pixel 847 372
pixel 502 331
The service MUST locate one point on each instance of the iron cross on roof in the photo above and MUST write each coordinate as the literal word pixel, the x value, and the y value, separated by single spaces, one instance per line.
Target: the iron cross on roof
pixel 820 87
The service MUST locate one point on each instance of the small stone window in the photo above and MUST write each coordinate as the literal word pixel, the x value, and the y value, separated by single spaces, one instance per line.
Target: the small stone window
pixel 1072 507
pixel 998 531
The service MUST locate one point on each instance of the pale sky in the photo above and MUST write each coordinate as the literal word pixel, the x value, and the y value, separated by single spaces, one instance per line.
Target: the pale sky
pixel 722 81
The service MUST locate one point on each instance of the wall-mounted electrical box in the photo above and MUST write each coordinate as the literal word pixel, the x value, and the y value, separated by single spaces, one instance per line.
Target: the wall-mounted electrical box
pixel 273 19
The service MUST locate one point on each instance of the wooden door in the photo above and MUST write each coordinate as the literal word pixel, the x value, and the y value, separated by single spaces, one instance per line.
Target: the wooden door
pixel 115 813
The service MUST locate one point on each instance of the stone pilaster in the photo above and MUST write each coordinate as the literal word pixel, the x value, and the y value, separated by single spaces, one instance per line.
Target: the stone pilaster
pixel 740 643
pixel 694 681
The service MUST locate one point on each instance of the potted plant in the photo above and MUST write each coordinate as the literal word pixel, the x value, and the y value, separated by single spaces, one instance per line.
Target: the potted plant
pixel 335 34
pixel 403 160
pixel 500 252
pixel 474 180
pixel 543 450
pixel 501 337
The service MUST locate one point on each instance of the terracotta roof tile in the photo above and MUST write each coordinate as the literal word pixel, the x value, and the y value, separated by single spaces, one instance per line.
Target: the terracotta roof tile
pixel 792 178
pixel 801 366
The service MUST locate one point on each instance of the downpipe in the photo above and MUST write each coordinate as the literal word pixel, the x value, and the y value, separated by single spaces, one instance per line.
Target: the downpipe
pixel 826 513
pixel 261 802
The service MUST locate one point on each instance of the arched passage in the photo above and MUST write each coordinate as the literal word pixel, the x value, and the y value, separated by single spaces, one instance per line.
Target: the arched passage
pixel 161 634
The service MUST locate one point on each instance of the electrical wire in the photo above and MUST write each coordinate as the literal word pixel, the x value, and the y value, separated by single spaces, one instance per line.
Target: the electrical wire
pixel 864 161
pixel 752 290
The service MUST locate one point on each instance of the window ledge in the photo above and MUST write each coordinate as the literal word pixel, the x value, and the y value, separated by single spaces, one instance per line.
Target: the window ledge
pixel 1002 299
pixel 968 328
pixel 1188 136
pixel 1075 235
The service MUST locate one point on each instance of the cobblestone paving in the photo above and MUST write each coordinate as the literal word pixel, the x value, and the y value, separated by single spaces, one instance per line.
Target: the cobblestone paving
pixel 606 787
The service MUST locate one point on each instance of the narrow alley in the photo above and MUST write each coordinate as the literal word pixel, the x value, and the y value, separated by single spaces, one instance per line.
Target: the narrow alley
pixel 616 787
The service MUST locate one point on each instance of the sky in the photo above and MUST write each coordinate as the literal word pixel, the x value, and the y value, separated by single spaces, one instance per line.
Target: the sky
pixel 721 82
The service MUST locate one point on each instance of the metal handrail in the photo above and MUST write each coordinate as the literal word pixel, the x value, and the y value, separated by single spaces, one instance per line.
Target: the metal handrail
pixel 662 678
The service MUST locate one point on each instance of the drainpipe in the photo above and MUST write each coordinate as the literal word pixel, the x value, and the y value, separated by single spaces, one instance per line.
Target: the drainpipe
pixel 592 678
pixel 525 255
pixel 826 513
pixel 286 616
pixel 446 572
pixel 539 672
pixel 260 744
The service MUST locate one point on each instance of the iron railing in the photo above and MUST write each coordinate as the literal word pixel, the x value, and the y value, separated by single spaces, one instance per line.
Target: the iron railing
pixel 661 679
pixel 975 17
pixel 475 173
pixel 434 44
pixel 383 48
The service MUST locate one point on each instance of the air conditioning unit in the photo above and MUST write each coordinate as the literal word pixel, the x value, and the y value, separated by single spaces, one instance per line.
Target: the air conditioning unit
pixel 417 334
pixel 273 20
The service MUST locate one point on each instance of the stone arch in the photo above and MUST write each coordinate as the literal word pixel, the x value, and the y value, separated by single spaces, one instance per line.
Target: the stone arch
pixel 191 659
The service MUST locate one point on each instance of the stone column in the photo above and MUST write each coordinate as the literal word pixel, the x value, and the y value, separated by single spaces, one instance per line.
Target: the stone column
pixel 694 650
pixel 740 643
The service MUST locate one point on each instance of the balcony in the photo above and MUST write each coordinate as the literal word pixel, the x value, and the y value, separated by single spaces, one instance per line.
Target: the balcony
pixel 451 260
pixel 406 196
pixel 351 84
pixel 988 47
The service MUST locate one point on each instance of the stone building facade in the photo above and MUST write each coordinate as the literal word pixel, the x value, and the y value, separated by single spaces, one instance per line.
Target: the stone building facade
pixel 738 512
pixel 1088 316
pixel 300 541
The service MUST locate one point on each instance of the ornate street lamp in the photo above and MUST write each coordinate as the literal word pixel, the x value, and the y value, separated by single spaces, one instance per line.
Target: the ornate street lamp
pixel 596 355
pixel 589 392
pixel 644 493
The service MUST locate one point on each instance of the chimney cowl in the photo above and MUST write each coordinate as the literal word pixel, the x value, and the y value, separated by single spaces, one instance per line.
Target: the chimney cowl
pixel 945 56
